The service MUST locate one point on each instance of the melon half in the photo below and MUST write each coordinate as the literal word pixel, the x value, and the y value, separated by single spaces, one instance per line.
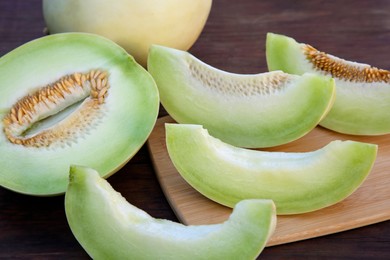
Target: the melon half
pixel 362 91
pixel 258 110
pixel 67 99
pixel 296 182
pixel 108 227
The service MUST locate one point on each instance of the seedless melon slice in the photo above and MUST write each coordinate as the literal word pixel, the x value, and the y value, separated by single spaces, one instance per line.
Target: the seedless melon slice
pixel 108 227
pixel 362 91
pixel 260 110
pixel 70 99
pixel 296 182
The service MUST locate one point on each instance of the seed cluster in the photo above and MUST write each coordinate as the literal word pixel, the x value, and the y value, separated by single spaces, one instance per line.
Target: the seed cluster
pixel 250 85
pixel 46 101
pixel 339 68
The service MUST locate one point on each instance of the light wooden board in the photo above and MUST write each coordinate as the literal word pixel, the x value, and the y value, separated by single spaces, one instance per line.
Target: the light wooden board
pixel 367 205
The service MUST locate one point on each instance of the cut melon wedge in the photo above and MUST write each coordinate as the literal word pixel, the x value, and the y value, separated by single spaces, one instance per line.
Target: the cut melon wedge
pixel 362 91
pixel 296 182
pixel 108 227
pixel 70 98
pixel 253 111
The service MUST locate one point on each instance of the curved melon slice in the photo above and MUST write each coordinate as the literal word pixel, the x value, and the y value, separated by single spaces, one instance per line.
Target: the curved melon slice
pixel 260 110
pixel 296 182
pixel 108 227
pixel 362 91
pixel 70 99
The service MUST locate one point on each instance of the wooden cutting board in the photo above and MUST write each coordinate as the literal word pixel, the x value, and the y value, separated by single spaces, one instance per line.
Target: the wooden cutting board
pixel 367 205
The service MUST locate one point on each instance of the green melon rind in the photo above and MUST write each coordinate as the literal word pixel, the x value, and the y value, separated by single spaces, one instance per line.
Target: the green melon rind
pixel 359 108
pixel 133 104
pixel 108 227
pixel 245 121
pixel 296 182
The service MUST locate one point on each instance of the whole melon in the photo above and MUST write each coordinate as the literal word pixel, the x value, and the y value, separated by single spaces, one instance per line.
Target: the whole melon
pixel 133 24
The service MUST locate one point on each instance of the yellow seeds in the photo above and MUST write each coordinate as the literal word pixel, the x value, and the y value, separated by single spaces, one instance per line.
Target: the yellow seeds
pixel 93 87
pixel 77 77
pixel 99 84
pixel 103 76
pixel 341 69
pixel 83 79
pixel 13 118
pixel 103 92
pixel 94 93
pixel 93 83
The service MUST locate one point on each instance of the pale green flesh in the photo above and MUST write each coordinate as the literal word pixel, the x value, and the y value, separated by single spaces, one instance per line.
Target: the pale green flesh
pixel 130 111
pixel 359 108
pixel 108 227
pixel 230 108
pixel 296 182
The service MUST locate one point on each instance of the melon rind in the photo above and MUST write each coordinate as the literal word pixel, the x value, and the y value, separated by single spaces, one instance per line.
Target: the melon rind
pixel 108 227
pixel 359 109
pixel 241 119
pixel 296 182
pixel 132 108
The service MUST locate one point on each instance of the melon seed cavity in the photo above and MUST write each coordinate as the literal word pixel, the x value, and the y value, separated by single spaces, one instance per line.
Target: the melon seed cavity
pixel 341 69
pixel 89 89
pixel 248 85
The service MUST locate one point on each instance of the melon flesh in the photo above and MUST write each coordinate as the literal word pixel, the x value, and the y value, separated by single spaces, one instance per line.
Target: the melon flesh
pixel 296 182
pixel 362 91
pixel 125 118
pixel 108 227
pixel 259 110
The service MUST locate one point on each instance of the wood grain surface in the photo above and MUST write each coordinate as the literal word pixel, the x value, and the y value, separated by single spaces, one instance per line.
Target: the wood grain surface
pixel 232 40
pixel 369 204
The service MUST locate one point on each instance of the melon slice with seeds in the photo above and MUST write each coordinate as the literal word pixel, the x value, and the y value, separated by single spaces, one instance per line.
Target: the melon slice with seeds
pixel 258 110
pixel 362 91
pixel 70 99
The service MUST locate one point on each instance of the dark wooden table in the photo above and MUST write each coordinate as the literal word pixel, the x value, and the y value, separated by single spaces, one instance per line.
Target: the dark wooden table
pixel 233 40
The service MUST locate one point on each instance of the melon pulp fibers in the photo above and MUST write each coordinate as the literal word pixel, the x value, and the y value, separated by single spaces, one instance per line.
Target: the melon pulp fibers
pixel 259 110
pixel 70 99
pixel 108 227
pixel 362 91
pixel 296 182
pixel 133 24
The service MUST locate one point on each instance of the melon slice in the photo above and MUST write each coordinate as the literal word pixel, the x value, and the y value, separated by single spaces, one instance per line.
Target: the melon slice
pixel 70 99
pixel 296 182
pixel 253 111
pixel 108 227
pixel 362 91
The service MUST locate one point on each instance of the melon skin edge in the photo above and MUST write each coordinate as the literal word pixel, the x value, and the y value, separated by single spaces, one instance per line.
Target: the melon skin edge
pixel 108 227
pixel 359 109
pixel 296 182
pixel 252 121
